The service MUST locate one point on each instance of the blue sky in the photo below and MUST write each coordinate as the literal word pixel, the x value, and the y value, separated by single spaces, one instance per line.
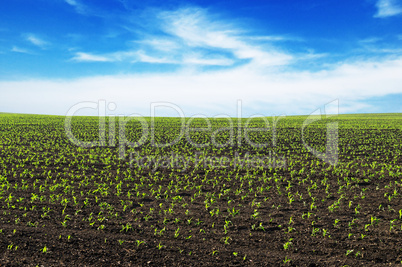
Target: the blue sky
pixel 275 56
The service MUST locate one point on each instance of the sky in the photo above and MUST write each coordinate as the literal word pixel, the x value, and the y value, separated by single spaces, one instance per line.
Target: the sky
pixel 203 58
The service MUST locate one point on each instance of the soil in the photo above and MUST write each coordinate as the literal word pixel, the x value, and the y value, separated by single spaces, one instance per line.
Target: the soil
pixel 89 246
pixel 83 219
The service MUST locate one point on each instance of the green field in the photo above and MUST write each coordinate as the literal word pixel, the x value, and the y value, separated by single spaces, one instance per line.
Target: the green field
pixel 217 196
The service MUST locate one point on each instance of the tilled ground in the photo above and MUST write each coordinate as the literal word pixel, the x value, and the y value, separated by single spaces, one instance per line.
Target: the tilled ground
pixel 201 238
pixel 61 205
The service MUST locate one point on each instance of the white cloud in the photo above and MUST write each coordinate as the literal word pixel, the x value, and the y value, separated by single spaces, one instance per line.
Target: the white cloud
pixel 36 40
pixel 199 60
pixel 143 57
pixel 388 8
pixel 371 40
pixel 191 36
pixel 80 56
pixel 273 38
pixel 195 28
pixel 71 2
pixel 110 57
pixel 79 7
pixel 19 50
pixel 161 44
pixel 212 93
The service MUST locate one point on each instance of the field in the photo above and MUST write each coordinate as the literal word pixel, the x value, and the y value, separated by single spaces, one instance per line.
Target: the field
pixel 206 199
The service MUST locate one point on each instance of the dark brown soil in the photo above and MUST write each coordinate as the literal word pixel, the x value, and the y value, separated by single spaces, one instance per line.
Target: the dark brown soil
pixel 64 206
